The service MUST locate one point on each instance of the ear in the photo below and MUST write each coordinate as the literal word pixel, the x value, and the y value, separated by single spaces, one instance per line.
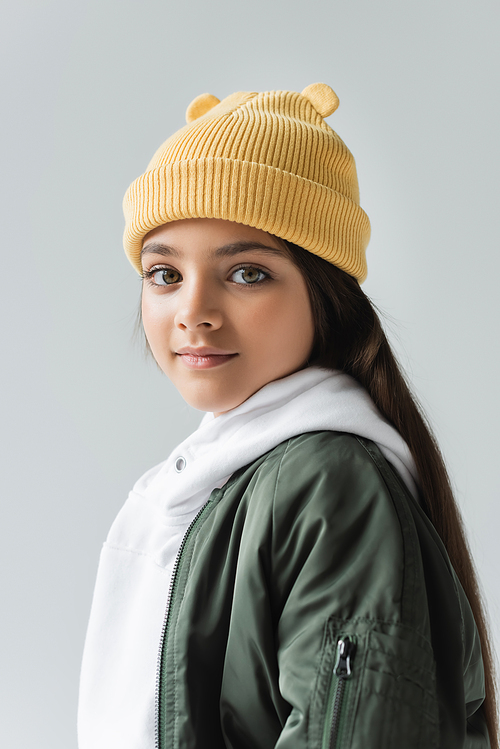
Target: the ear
pixel 323 98
pixel 200 106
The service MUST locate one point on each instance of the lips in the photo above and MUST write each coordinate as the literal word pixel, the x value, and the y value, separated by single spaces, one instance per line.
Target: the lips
pixel 204 357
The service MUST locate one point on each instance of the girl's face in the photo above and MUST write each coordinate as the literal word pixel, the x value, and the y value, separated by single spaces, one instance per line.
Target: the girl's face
pixel 224 309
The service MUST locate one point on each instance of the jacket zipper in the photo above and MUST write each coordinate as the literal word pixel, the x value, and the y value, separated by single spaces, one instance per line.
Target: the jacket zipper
pixel 166 620
pixel 342 670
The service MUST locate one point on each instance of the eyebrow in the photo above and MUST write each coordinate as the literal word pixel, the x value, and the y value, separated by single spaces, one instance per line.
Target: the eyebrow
pixel 227 250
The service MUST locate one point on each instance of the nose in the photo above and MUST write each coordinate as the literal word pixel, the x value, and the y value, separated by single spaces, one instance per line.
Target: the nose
pixel 198 308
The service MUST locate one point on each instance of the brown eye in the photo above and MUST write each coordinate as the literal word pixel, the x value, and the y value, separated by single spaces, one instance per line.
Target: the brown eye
pixel 166 277
pixel 248 275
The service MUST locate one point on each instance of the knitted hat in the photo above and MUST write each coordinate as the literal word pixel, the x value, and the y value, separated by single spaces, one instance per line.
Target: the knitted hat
pixel 267 160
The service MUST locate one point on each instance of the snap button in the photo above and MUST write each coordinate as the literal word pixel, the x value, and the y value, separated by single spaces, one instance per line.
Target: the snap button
pixel 180 464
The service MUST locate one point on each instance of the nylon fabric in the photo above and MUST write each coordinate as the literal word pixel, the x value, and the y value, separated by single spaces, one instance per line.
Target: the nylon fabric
pixel 309 542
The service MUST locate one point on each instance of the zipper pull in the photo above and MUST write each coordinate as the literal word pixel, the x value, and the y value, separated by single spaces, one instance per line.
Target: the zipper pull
pixel 345 652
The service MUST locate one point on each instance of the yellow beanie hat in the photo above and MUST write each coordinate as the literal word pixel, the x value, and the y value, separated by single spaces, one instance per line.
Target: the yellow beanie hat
pixel 267 160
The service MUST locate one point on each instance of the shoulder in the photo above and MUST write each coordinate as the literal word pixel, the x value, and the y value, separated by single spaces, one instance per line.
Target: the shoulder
pixel 327 453
pixel 339 526
pixel 334 490
pixel 331 471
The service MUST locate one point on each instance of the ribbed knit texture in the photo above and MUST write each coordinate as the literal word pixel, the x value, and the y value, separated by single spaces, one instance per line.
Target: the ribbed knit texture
pixel 267 160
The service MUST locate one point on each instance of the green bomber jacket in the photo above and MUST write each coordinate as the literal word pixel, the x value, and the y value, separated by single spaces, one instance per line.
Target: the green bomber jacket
pixel 313 605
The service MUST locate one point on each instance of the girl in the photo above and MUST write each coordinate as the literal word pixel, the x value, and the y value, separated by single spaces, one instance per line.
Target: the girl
pixel 295 573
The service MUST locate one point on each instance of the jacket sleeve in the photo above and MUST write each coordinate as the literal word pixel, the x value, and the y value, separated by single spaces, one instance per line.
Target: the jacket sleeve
pixel 353 638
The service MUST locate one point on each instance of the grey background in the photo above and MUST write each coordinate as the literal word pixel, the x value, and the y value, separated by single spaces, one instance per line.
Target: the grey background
pixel 89 91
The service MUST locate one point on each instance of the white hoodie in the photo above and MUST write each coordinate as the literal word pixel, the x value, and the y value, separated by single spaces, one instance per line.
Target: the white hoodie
pixel 118 679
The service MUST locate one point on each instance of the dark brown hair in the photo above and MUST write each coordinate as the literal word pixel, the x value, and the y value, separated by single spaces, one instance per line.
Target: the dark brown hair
pixel 350 337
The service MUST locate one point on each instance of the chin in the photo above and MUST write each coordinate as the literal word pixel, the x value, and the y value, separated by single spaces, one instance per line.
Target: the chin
pixel 216 405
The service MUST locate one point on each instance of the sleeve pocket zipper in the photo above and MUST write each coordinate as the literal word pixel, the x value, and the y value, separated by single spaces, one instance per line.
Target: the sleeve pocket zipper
pixel 342 671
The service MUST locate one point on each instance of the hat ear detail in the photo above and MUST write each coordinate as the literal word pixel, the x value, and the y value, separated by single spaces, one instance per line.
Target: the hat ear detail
pixel 200 106
pixel 323 98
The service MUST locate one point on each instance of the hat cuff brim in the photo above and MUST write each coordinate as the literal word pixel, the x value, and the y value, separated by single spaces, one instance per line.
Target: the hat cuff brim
pixel 328 224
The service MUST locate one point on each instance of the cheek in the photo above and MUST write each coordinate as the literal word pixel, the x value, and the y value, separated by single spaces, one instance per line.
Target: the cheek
pixel 155 320
pixel 147 318
pixel 284 328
